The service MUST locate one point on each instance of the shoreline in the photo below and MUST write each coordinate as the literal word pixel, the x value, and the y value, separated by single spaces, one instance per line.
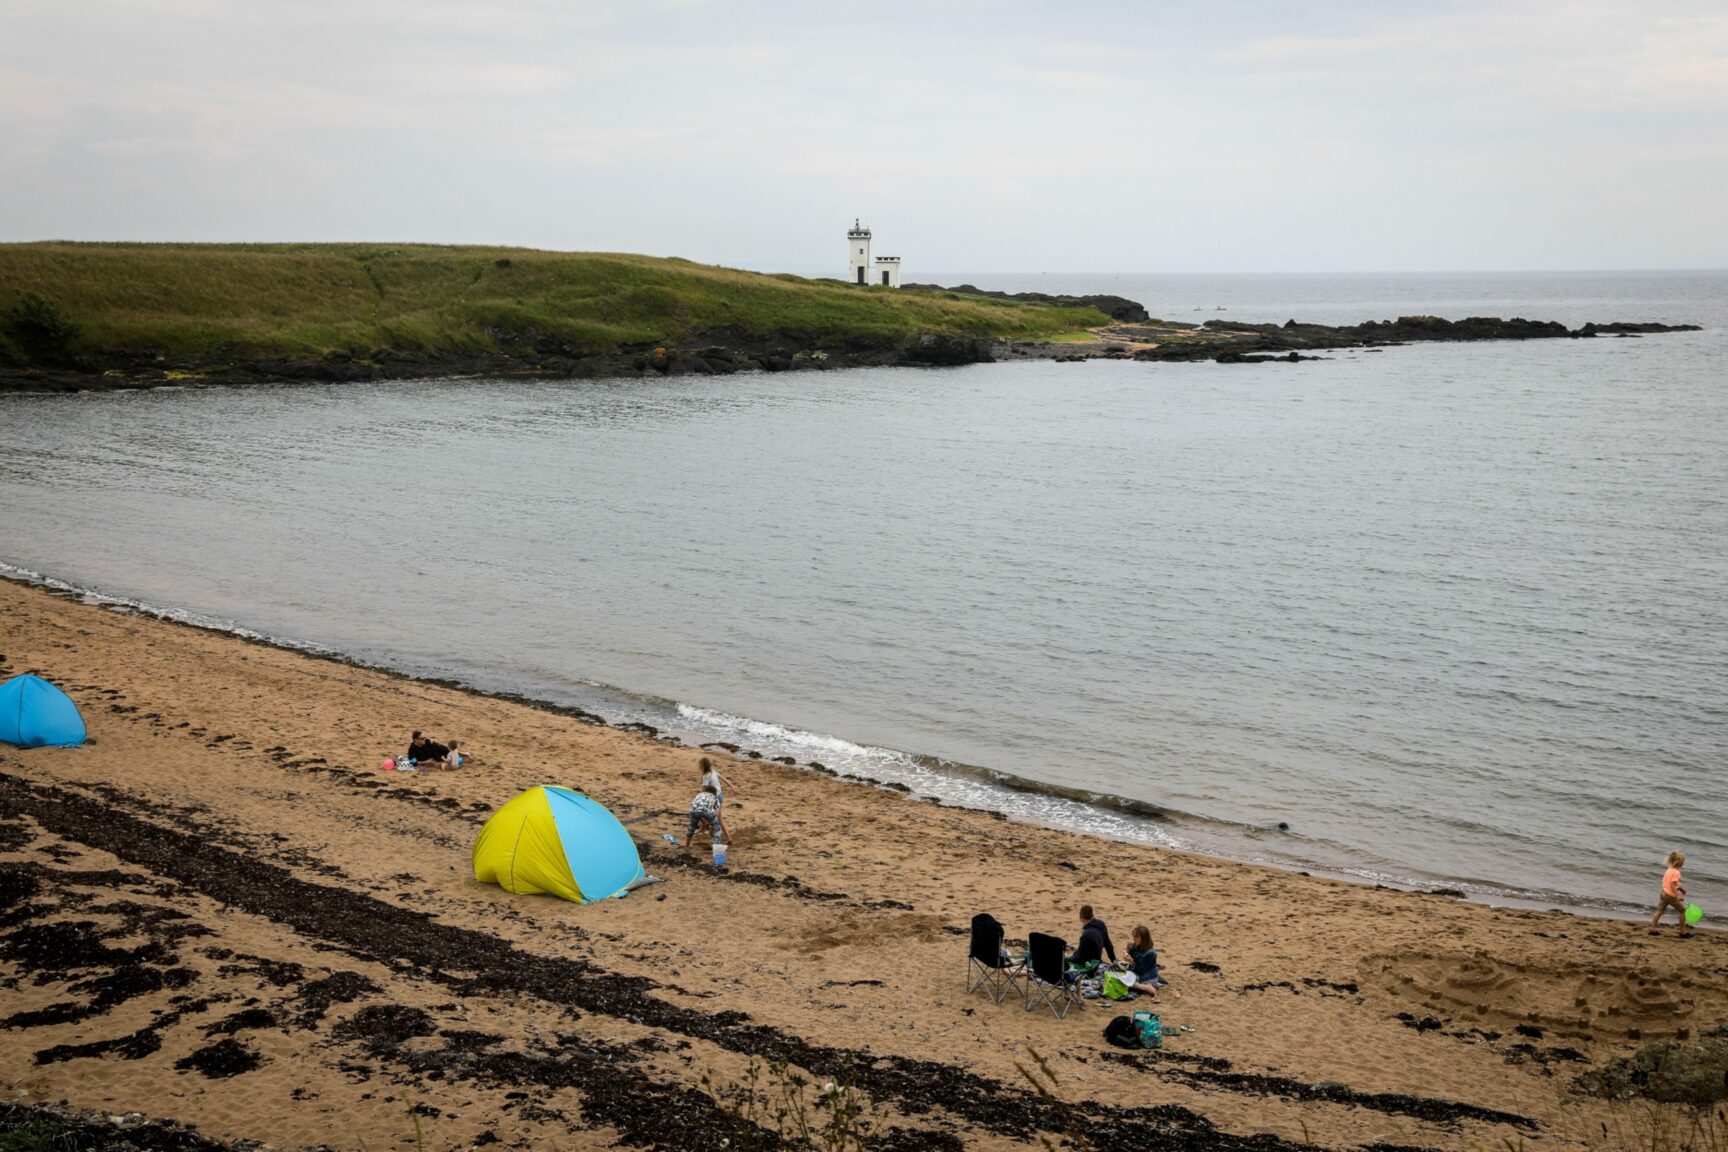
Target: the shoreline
pixel 1103 816
pixel 297 952
pixel 334 962
pixel 1142 339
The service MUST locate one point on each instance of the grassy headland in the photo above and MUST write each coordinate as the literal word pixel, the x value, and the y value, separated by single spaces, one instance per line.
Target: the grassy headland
pixel 215 307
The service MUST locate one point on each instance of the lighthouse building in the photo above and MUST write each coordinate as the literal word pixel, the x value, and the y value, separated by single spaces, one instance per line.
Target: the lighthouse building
pixel 886 269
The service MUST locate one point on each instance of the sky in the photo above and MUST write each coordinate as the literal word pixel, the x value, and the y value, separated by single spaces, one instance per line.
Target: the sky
pixel 974 135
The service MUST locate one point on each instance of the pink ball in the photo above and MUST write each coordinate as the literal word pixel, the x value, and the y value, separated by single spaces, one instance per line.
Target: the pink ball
pixel 389 765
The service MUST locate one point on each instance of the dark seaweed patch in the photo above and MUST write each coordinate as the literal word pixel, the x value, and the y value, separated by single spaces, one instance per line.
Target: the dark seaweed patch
pixel 317 998
pixel 1398 1103
pixel 220 1060
pixel 1170 1055
pixel 125 983
pixel 277 973
pixel 132 1046
pixel 14 835
pixel 383 1028
pixel 243 1020
pixel 1422 1023
pixel 56 950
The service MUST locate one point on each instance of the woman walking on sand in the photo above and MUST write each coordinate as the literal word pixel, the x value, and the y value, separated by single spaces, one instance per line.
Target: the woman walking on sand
pixel 1673 895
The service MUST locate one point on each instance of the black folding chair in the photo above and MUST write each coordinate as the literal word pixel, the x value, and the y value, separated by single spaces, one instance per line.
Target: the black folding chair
pixel 1047 974
pixel 987 965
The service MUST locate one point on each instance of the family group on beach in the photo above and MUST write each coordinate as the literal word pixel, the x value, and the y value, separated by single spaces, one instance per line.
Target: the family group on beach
pixel 1091 971
pixel 1083 969
pixel 707 811
pixel 1095 949
pixel 425 753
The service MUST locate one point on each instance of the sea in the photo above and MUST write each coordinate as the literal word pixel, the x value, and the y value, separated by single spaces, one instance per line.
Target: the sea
pixel 1435 616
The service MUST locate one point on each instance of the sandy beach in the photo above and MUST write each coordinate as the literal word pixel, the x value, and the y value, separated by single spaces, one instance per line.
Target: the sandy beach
pixel 221 912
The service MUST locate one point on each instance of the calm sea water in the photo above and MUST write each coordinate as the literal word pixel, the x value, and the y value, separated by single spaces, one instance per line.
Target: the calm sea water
pixel 1453 614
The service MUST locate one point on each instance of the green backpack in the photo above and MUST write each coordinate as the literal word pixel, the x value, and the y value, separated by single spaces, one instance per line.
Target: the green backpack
pixel 1151 1029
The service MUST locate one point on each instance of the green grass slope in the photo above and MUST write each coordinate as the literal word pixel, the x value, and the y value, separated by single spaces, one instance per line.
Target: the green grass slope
pixel 214 304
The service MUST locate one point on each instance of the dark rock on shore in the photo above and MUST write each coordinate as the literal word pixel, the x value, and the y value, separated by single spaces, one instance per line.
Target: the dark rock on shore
pixel 1621 328
pixel 1671 1071
pixel 1234 342
pixel 943 350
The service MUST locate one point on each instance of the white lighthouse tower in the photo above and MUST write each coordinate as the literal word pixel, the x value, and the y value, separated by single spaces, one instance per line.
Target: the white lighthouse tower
pixel 858 249
pixel 886 269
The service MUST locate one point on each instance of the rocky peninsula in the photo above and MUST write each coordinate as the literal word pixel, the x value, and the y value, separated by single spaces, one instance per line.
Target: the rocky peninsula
pixel 77 317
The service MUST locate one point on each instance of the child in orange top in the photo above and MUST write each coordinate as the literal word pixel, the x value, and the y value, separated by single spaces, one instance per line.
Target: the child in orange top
pixel 1673 894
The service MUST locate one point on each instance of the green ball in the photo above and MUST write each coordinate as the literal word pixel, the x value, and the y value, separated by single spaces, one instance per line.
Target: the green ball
pixel 1694 913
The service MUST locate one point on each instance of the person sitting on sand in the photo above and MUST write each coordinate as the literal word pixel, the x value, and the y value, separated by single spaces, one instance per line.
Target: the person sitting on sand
pixel 711 775
pixel 705 809
pixel 1094 941
pixel 422 748
pixel 1673 895
pixel 453 758
pixel 1143 961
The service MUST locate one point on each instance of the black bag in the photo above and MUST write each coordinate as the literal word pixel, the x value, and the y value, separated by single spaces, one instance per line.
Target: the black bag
pixel 1122 1033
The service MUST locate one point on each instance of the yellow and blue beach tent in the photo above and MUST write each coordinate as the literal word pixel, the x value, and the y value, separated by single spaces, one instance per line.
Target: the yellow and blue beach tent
pixel 551 839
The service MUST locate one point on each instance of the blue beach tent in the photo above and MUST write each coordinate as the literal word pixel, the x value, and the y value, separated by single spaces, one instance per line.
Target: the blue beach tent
pixel 35 714
pixel 555 840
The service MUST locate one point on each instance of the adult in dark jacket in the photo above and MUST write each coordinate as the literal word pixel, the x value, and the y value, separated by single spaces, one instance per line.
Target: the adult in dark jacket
pixel 1094 940
pixel 424 749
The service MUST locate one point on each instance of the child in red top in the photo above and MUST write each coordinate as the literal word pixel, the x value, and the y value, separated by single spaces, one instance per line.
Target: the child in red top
pixel 1673 894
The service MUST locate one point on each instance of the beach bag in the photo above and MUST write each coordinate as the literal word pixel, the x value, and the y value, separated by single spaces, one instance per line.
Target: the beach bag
pixel 1118 986
pixel 1121 1033
pixel 1150 1029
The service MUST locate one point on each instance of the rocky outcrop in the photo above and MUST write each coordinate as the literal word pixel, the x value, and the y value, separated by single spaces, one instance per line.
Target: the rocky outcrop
pixel 1671 1071
pixel 1234 342
pixel 1625 329
pixel 943 350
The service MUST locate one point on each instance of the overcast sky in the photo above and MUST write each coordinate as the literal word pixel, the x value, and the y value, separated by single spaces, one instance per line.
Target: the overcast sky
pixel 1212 135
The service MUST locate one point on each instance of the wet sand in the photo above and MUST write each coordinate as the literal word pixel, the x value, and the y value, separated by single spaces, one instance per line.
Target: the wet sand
pixel 220 912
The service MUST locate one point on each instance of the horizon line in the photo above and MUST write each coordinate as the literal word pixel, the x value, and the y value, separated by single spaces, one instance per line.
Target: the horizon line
pixel 1647 270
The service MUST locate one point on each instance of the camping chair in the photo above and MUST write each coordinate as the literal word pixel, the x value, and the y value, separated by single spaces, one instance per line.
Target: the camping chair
pixel 987 965
pixel 1047 978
